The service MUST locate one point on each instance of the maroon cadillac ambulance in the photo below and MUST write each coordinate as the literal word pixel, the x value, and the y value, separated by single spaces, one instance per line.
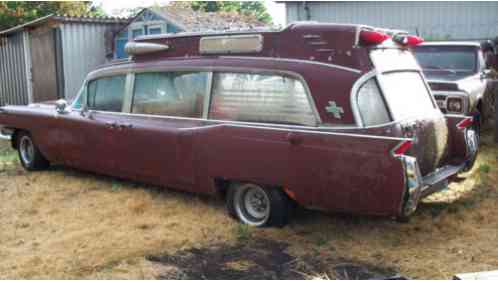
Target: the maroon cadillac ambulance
pixel 328 116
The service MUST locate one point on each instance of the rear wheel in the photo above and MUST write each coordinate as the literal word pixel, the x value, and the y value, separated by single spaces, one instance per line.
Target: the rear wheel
pixel 258 206
pixel 29 155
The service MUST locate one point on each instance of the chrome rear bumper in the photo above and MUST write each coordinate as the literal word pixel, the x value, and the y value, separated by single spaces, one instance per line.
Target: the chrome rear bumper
pixel 5 134
pixel 419 187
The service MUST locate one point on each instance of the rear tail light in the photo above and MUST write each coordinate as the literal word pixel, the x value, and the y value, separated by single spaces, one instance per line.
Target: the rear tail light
pixel 465 123
pixel 402 148
pixel 369 37
pixel 408 40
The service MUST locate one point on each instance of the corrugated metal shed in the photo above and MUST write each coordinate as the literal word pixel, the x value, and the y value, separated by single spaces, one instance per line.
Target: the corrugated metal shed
pixel 79 44
pixel 13 89
pixel 438 20
pixel 83 49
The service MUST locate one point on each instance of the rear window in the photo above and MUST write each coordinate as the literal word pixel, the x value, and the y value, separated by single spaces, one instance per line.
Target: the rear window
pixel 406 94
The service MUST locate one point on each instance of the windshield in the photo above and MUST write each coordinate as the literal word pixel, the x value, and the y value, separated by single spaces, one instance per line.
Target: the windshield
pixel 406 94
pixel 447 58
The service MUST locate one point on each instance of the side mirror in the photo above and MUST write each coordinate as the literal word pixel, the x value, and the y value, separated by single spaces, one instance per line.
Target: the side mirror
pixel 60 106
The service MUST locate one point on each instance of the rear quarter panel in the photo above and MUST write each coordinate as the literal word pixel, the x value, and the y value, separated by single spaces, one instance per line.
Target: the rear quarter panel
pixel 335 172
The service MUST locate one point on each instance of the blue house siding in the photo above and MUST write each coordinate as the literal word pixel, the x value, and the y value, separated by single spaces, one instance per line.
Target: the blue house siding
pixel 146 23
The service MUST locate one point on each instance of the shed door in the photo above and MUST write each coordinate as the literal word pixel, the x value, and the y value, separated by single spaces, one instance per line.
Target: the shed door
pixel 43 64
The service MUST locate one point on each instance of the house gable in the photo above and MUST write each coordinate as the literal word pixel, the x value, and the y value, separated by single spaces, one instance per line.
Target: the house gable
pixel 147 22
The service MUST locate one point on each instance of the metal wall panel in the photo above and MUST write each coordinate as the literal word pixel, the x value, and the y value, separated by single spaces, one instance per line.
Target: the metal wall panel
pixel 13 88
pixel 83 49
pixel 457 20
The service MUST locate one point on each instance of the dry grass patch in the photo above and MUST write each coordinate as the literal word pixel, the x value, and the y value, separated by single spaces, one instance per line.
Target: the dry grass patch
pixel 66 224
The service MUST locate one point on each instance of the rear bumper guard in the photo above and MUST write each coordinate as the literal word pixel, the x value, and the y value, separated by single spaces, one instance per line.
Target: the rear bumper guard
pixel 419 187
pixel 5 134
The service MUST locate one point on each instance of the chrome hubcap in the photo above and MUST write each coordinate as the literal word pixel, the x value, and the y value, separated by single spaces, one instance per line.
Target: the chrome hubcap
pixel 27 150
pixel 252 205
pixel 256 203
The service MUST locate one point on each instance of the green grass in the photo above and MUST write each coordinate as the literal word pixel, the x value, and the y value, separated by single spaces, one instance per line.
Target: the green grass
pixel 484 168
pixel 243 232
pixel 7 154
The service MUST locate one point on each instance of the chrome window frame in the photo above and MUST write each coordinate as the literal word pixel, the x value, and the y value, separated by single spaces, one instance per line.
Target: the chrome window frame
pixel 206 100
pixel 131 70
pixel 85 91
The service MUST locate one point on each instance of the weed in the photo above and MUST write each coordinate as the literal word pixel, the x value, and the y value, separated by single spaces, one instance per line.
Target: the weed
pixel 116 186
pixel 243 232
pixel 484 168
pixel 321 241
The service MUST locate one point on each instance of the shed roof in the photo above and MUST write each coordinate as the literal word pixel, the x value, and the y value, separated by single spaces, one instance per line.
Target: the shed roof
pixel 195 21
pixel 64 18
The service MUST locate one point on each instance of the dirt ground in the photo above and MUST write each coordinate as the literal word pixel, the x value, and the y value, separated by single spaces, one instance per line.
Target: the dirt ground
pixel 64 223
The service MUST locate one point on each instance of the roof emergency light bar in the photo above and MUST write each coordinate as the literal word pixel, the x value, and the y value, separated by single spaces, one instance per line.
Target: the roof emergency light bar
pixel 137 48
pixel 369 37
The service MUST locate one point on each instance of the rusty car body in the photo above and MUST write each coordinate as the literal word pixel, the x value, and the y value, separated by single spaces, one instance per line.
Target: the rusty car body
pixel 328 116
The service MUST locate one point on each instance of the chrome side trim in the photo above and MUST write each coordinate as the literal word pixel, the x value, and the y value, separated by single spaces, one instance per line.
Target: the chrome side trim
pixel 296 61
pixel 287 128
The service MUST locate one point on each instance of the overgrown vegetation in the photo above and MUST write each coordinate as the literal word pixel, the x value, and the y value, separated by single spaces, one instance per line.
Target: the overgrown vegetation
pixel 255 8
pixel 14 13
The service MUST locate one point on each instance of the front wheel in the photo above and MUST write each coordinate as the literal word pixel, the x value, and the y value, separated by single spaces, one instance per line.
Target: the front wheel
pixel 29 155
pixel 258 206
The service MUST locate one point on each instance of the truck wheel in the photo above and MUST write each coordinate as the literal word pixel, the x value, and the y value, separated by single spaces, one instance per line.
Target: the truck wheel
pixel 29 155
pixel 257 206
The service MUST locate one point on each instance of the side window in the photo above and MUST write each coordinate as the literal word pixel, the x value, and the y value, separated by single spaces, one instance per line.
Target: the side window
pixel 371 105
pixel 170 93
pixel 107 94
pixel 260 98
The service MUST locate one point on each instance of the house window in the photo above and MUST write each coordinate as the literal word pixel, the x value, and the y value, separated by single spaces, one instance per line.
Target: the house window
pixel 170 94
pixel 121 40
pixel 155 29
pixel 107 94
pixel 260 98
pixel 137 32
pixel 172 29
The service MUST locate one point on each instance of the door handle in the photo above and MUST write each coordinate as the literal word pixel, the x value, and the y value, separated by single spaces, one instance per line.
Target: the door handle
pixel 125 126
pixel 294 138
pixel 111 125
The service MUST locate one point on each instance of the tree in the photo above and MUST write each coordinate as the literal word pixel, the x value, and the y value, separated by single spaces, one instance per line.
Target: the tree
pixel 19 12
pixel 255 8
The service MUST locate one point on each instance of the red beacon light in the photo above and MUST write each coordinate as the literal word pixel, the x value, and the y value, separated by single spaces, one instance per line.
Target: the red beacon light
pixel 408 40
pixel 370 37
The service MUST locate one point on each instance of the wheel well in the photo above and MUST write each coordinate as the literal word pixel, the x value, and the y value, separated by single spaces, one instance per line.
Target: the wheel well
pixel 13 139
pixel 222 185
